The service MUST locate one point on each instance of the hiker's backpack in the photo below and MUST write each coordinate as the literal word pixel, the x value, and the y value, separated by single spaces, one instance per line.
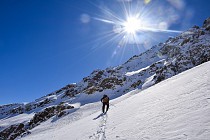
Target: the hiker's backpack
pixel 105 100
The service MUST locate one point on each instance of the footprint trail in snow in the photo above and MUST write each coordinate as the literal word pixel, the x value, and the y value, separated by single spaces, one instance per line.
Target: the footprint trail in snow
pixel 100 134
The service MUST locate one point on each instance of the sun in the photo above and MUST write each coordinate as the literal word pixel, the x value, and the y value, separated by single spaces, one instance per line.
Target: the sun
pixel 131 25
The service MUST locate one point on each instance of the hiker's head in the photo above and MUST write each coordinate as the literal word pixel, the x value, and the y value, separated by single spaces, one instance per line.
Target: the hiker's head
pixel 105 95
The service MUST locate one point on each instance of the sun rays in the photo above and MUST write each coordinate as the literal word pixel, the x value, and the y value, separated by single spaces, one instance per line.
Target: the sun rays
pixel 135 25
pixel 131 20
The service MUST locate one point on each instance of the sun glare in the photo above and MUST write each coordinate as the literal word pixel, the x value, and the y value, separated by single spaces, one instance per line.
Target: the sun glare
pixel 132 25
pixel 133 21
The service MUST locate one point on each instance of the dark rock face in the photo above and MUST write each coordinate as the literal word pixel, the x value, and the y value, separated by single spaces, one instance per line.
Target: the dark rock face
pixel 91 90
pixel 103 84
pixel 46 114
pixel 109 83
pixel 21 129
pixel 136 84
pixel 18 110
pixel 206 24
pixel 42 116
pixel 13 131
pixel 46 101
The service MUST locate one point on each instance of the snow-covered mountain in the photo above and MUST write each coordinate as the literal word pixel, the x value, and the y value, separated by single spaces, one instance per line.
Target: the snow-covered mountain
pixel 189 49
pixel 175 109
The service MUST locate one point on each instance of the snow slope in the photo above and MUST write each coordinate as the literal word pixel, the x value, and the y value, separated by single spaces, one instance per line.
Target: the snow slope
pixel 177 108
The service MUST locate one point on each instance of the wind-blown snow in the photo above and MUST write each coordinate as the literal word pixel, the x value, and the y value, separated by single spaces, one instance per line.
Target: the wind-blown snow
pixel 177 108
pixel 148 82
pixel 136 72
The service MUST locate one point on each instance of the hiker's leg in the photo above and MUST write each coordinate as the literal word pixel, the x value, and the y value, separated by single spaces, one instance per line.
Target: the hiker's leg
pixel 103 107
pixel 107 107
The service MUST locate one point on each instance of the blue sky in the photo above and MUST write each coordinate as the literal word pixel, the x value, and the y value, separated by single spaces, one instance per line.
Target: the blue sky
pixel 47 44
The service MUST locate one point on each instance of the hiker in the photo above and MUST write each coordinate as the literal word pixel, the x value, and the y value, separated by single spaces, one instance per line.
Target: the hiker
pixel 105 101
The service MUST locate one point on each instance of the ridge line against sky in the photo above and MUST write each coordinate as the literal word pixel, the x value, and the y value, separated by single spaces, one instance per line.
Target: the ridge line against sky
pixel 47 44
